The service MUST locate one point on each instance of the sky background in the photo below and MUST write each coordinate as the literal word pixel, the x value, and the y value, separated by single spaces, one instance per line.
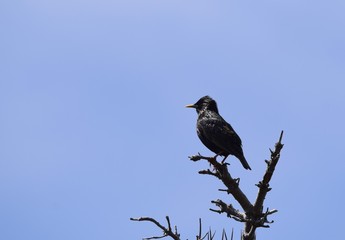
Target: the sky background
pixel 93 128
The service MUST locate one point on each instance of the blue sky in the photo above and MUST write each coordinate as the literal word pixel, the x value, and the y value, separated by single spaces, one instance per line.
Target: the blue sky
pixel 94 129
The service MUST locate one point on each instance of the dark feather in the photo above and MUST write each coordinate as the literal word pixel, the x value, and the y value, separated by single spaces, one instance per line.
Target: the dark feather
pixel 215 133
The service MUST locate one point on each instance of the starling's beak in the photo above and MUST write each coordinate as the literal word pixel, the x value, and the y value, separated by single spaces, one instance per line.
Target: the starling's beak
pixel 190 106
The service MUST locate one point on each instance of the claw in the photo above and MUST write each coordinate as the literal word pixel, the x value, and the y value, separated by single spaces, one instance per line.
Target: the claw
pixel 224 159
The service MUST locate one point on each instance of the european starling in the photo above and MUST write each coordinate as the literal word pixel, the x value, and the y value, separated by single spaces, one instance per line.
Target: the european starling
pixel 215 133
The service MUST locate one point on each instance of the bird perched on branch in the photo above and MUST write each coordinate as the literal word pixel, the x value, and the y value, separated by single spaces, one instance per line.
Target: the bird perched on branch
pixel 215 133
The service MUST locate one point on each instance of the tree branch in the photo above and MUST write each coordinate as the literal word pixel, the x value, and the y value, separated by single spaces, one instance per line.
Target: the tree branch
pixel 253 215
pixel 264 183
pixel 221 171
pixel 229 210
pixel 166 231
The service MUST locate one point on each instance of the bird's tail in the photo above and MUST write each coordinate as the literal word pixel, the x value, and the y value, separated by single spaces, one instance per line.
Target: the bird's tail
pixel 244 162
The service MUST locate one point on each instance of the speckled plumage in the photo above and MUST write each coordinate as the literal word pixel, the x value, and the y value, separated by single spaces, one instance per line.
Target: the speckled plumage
pixel 215 133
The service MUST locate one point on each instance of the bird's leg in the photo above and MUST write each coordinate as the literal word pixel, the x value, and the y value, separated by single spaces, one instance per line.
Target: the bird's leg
pixel 224 159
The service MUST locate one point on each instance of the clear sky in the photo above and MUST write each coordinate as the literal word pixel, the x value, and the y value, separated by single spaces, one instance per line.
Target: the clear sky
pixel 93 128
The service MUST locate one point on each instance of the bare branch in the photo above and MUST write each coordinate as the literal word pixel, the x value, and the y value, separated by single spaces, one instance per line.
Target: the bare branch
pixel 154 237
pixel 258 217
pixel 224 237
pixel 253 216
pixel 264 183
pixel 199 236
pixel 209 172
pixel 166 231
pixel 211 236
pixel 229 210
pixel 223 174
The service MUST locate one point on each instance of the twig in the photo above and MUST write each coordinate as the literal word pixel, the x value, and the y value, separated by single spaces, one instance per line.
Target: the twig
pixel 209 172
pixel 229 210
pixel 224 237
pixel 210 235
pixel 199 236
pixel 166 231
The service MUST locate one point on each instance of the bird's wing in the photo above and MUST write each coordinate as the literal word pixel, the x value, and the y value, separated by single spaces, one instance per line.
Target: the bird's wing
pixel 223 137
pixel 206 140
pixel 220 133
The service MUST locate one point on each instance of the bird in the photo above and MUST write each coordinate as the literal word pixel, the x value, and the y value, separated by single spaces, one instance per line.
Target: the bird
pixel 215 133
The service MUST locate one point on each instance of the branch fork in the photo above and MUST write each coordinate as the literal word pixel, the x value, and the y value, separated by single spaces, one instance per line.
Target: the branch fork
pixel 252 216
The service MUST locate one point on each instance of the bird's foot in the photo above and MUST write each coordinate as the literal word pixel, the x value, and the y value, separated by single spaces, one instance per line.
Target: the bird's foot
pixel 224 159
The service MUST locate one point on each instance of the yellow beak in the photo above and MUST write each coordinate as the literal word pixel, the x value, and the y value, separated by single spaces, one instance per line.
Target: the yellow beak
pixel 190 106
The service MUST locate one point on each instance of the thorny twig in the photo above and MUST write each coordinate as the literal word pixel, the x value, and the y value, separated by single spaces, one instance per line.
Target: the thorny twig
pixel 166 231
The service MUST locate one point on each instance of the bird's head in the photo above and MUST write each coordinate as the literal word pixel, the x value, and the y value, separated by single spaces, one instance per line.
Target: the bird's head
pixel 204 103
